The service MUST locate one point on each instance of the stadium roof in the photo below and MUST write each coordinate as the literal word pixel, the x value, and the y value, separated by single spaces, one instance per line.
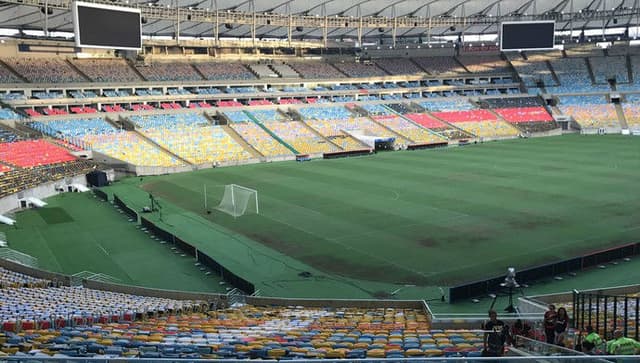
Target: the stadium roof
pixel 341 18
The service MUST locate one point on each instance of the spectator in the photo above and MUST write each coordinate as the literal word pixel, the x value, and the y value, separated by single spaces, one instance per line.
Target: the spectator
pixel 560 327
pixel 495 336
pixel 591 341
pixel 621 345
pixel 522 329
pixel 550 324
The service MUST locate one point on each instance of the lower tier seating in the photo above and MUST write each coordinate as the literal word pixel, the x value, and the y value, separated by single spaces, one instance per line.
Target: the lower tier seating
pixel 409 130
pixel 300 137
pixel 487 128
pixel 199 145
pixel 260 139
pixel 30 153
pixel 632 115
pixel 438 126
pixel 18 179
pixel 593 116
pixel 131 148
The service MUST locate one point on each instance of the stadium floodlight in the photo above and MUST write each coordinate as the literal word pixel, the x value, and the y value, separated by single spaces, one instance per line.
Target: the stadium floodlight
pixel 238 200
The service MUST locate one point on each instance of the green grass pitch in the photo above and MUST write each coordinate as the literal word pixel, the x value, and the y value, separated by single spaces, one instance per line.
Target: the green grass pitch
pixel 406 222
pixel 432 218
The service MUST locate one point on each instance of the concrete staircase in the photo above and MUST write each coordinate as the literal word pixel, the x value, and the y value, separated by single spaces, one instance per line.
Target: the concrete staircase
pixel 284 70
pixel 621 117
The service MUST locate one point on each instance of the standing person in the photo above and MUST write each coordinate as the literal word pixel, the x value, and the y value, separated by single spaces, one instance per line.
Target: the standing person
pixel 621 345
pixel 562 322
pixel 550 324
pixel 591 343
pixel 495 336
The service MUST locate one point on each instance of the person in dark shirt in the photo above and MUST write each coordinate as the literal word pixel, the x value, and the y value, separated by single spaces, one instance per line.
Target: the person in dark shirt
pixel 495 336
pixel 550 324
pixel 562 322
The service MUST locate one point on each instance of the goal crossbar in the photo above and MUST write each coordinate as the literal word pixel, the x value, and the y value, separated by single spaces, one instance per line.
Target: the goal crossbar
pixel 237 200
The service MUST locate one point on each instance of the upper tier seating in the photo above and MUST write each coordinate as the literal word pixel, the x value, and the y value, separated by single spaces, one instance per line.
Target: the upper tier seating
pixel 6 76
pixel 290 101
pixel 224 71
pixel 259 103
pixel 107 70
pixel 582 100
pixel 267 115
pixel 190 119
pixel 44 70
pixel 325 113
pixel 316 70
pixel 131 148
pixel 485 64
pixel 7 114
pixel 533 68
pixel 593 116
pixel 237 116
pixel 375 109
pixel 77 128
pixel 635 72
pixel 177 71
pixel 409 130
pixel 398 66
pixel 506 102
pixel 199 144
pixel 30 153
pixel 262 71
pixel 300 137
pixel 353 69
pixel 574 76
pixel 440 65
pixel 260 139
pixel 605 68
pixel 284 70
pixel 455 104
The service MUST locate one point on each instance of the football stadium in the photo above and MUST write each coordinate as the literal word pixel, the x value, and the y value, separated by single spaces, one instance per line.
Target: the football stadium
pixel 314 180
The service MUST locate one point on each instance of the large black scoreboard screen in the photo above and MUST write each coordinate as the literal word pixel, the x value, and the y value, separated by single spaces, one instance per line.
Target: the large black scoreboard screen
pixel 106 26
pixel 531 35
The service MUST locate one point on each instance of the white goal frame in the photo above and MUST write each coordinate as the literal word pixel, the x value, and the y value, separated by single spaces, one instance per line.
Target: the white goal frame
pixel 232 188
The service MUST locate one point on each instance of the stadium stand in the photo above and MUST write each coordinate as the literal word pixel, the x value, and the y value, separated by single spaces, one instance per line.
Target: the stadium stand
pixel 260 139
pixel 631 110
pixel 224 71
pixel 440 65
pixel 190 119
pixel 262 71
pixel 440 127
pixel 605 68
pixel 316 70
pixel 409 130
pixel 131 148
pixel 325 113
pixel 8 114
pixel 481 123
pixel 267 115
pixel 6 76
pixel 396 66
pixel 533 69
pixel 353 69
pixel 106 70
pixel 456 104
pixel 574 76
pixel 592 116
pixel 6 135
pixel 176 71
pixel 284 70
pixel 44 70
pixel 488 64
pixel 300 137
pixel 32 153
pixel 237 116
pixel 198 144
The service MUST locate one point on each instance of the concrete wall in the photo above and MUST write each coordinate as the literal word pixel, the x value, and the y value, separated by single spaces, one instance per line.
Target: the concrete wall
pixel 42 191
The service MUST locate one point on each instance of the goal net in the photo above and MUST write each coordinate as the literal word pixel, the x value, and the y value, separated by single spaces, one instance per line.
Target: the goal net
pixel 238 200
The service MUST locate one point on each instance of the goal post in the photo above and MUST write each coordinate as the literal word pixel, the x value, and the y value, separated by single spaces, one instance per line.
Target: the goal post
pixel 238 200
